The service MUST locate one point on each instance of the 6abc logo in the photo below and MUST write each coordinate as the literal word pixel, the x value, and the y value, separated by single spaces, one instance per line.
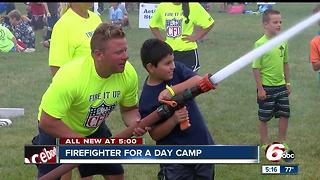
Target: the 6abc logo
pixel 275 152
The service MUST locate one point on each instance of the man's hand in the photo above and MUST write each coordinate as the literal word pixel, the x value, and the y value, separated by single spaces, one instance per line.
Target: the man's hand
pixel 262 95
pixel 56 127
pixel 140 131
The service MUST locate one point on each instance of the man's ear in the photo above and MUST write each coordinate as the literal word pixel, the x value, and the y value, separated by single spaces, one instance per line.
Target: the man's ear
pixel 265 23
pixel 97 54
pixel 150 67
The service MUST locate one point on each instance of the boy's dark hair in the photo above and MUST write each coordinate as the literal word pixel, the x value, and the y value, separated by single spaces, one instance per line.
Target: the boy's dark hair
pixel 153 51
pixel 267 13
pixel 103 33
pixel 186 11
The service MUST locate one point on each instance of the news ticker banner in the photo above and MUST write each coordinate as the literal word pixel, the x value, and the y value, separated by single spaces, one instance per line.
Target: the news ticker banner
pixel 158 154
pixel 132 151
pixel 100 141
pixel 280 169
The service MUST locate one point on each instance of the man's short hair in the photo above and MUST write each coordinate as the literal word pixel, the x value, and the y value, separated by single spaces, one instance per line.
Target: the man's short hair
pixel 104 32
pixel 267 13
pixel 15 14
pixel 153 51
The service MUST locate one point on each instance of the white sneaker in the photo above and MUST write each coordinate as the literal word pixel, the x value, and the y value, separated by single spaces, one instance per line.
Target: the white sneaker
pixel 30 50
pixel 5 122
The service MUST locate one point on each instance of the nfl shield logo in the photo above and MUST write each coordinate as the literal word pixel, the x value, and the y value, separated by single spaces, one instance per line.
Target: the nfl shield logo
pixel 174 27
pixel 98 114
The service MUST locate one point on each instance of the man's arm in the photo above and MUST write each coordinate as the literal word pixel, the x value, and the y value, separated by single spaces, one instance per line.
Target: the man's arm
pixel 54 70
pixel 261 92
pixel 130 115
pixel 55 127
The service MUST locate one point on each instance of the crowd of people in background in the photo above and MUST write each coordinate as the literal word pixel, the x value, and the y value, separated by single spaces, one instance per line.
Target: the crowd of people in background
pixel 22 26
pixel 19 30
pixel 118 14
pixel 41 16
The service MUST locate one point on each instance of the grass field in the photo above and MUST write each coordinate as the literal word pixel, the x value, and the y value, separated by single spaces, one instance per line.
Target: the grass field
pixel 230 111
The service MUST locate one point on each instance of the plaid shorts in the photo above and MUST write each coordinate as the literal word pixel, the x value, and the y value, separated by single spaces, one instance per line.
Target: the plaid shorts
pixel 275 105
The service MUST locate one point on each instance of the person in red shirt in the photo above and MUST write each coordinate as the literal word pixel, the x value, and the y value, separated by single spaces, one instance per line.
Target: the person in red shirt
pixel 38 13
pixel 315 47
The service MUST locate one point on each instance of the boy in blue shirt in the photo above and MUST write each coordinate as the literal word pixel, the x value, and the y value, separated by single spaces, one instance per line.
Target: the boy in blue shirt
pixel 157 58
pixel 116 15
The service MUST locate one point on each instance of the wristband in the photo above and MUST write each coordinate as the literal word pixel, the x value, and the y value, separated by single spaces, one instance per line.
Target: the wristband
pixel 170 90
pixel 288 84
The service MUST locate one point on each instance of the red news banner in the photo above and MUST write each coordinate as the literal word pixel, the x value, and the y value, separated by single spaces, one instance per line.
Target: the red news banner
pixel 100 141
pixel 47 154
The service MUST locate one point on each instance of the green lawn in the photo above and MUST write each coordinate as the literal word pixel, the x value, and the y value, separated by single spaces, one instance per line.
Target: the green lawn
pixel 230 111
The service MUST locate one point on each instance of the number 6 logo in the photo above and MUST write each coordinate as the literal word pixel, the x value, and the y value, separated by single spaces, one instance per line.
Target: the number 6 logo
pixel 274 152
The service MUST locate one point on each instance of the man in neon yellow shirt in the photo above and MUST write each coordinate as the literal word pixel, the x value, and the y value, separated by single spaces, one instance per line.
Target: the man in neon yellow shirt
pixel 271 72
pixel 84 92
pixel 71 35
pixel 178 20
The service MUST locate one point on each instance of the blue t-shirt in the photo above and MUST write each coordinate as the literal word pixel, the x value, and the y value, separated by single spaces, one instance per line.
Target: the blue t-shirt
pixel 115 15
pixel 197 133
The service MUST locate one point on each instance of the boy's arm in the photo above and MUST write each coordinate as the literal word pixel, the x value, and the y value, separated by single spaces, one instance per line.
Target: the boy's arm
pixel 261 91
pixel 287 76
pixel 314 55
pixel 162 130
pixel 316 66
pixel 18 48
pixel 179 88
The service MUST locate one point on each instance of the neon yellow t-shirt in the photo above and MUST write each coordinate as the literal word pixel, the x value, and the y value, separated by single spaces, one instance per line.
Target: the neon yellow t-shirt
pixel 6 36
pixel 271 64
pixel 83 100
pixel 71 37
pixel 169 17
